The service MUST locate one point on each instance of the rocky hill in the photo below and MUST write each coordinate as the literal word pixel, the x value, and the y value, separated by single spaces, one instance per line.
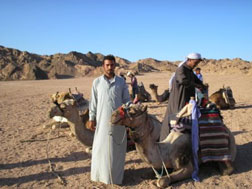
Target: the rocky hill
pixel 227 66
pixel 22 65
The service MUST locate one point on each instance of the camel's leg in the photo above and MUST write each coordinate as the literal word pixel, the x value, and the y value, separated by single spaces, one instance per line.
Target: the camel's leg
pixel 223 104
pixel 180 174
pixel 230 168
pixel 226 167
pixel 232 146
pixel 48 124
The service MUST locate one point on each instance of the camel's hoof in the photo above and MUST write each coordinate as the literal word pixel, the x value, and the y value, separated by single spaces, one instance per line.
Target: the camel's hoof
pixel 226 168
pixel 163 182
pixel 228 171
pixel 71 134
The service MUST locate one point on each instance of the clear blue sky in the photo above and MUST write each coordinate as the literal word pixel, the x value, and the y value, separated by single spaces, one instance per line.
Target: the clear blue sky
pixel 132 29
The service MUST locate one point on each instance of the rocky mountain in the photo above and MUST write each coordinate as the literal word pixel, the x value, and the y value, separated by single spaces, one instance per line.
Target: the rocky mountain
pixel 22 65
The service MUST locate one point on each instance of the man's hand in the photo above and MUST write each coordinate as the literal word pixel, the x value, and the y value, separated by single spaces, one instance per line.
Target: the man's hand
pixel 91 125
pixel 201 87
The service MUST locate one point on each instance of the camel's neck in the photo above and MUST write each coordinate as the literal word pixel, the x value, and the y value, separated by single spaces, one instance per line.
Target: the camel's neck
pixel 155 94
pixel 77 126
pixel 75 119
pixel 149 129
pixel 148 133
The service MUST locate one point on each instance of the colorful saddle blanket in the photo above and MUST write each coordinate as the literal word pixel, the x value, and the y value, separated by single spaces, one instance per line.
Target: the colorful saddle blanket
pixel 213 134
pixel 214 137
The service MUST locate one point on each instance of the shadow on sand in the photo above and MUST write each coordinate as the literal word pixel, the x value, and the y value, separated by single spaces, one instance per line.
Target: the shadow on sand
pixel 135 176
pixel 238 132
pixel 242 164
pixel 243 107
pixel 42 176
pixel 243 158
pixel 131 176
pixel 75 156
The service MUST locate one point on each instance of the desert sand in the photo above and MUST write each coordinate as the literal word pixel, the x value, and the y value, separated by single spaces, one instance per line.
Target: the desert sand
pixel 24 148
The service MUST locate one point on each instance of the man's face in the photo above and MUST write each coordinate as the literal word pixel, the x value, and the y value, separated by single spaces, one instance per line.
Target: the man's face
pixel 109 68
pixel 193 62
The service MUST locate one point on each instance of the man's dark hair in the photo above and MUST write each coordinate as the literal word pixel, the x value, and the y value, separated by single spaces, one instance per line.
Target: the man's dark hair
pixel 108 57
pixel 198 69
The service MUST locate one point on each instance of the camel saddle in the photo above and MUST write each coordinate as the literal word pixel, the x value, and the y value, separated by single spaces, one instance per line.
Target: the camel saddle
pixel 213 134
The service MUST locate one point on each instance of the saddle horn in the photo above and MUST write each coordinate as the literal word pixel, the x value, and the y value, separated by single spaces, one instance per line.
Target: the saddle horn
pixel 77 90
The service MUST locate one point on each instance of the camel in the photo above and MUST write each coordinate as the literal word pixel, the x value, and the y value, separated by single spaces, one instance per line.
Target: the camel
pixel 174 152
pixel 143 95
pixel 159 98
pixel 58 98
pixel 78 123
pixel 223 98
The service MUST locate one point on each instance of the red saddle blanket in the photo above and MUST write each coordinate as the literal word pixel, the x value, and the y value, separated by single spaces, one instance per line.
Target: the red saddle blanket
pixel 214 137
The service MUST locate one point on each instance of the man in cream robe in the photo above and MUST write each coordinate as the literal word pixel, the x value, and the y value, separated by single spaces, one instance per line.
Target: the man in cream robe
pixel 109 146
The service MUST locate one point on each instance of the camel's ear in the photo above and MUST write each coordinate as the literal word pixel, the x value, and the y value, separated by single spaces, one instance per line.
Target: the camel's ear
pixel 57 94
pixel 144 108
pixel 69 91
pixel 77 90
pixel 54 97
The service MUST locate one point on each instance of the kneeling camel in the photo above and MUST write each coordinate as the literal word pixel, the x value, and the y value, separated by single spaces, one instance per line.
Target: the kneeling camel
pixel 223 98
pixel 174 152
pixel 159 98
pixel 77 123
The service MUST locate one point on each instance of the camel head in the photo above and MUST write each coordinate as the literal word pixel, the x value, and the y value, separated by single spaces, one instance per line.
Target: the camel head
pixel 59 97
pixel 153 87
pixel 129 115
pixel 64 109
pixel 143 95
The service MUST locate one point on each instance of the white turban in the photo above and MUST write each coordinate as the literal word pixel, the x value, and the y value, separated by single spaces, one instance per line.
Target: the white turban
pixel 195 56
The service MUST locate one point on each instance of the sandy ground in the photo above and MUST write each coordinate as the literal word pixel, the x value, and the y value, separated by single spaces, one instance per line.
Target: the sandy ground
pixel 24 164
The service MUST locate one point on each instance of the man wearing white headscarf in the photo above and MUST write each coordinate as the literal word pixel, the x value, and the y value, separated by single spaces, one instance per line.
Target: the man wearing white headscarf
pixel 183 87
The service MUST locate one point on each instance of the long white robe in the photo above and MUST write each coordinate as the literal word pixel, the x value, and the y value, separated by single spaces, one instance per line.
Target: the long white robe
pixel 109 145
